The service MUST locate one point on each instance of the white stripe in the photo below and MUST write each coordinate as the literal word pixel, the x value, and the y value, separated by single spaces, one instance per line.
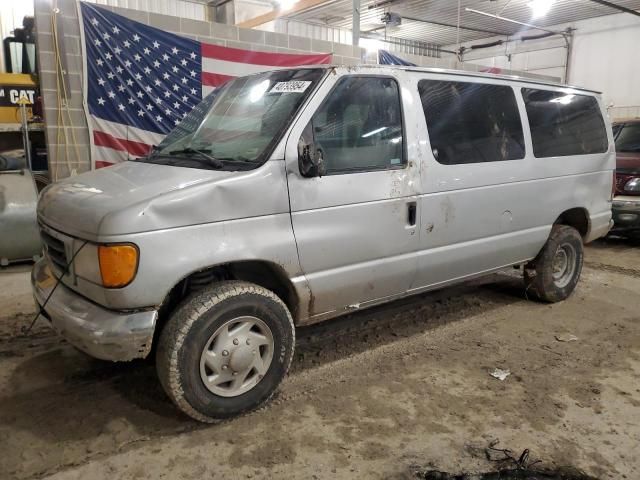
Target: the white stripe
pixel 126 132
pixel 233 69
pixel 106 154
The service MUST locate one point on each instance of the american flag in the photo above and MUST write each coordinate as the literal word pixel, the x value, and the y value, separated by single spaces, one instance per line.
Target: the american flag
pixel 142 81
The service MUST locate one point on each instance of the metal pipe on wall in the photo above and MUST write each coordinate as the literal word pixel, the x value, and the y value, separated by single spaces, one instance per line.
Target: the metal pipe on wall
pixel 566 35
pixel 617 7
pixel 568 38
pixel 355 23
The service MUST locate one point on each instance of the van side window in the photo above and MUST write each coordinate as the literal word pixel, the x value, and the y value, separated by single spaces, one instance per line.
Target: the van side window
pixel 359 126
pixel 564 124
pixel 471 122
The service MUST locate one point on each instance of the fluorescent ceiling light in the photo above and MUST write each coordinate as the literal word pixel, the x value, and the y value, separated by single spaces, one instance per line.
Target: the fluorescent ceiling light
pixel 540 8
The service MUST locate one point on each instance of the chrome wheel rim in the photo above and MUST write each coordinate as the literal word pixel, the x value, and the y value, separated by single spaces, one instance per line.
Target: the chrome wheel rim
pixel 564 265
pixel 237 356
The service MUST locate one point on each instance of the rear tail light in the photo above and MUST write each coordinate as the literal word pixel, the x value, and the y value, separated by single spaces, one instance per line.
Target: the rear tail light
pixel 614 184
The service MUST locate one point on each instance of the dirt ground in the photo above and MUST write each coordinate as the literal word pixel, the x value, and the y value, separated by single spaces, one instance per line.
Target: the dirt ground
pixel 378 394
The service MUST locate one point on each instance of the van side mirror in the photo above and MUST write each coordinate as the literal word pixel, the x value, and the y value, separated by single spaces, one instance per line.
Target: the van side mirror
pixel 310 156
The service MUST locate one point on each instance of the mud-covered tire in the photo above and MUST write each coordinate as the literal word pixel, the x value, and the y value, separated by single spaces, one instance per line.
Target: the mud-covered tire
pixel 544 278
pixel 188 331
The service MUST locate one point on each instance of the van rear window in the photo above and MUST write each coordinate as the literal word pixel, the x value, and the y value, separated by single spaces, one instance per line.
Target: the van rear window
pixel 564 124
pixel 471 122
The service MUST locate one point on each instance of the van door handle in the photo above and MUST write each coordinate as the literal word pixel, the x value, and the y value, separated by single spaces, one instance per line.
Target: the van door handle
pixel 411 213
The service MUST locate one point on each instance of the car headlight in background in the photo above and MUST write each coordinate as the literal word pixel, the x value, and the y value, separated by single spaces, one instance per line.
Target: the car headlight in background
pixel 109 265
pixel 632 185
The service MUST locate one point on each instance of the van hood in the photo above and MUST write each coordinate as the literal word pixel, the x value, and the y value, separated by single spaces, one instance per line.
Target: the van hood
pixel 134 197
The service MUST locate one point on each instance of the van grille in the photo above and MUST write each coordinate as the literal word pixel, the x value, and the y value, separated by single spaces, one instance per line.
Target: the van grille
pixel 55 250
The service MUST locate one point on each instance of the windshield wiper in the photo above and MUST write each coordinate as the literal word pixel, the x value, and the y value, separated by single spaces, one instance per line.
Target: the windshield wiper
pixel 238 159
pixel 202 155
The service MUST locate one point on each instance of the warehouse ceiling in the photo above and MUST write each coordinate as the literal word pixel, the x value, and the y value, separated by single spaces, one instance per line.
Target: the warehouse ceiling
pixel 337 13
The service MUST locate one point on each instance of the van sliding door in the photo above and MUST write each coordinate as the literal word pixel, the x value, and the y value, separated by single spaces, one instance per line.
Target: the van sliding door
pixel 476 208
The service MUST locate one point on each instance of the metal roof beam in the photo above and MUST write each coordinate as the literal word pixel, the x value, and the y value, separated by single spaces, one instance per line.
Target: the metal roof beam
pixel 442 24
pixel 505 19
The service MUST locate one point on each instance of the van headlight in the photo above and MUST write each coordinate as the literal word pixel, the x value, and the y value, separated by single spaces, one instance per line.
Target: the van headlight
pixel 109 265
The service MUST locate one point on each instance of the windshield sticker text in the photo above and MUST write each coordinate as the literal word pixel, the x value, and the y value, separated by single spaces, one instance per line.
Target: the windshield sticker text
pixel 290 87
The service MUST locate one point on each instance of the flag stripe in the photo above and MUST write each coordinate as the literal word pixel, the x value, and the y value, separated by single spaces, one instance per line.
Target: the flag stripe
pixel 215 79
pixel 126 132
pixel 262 58
pixel 102 164
pixel 109 155
pixel 137 149
pixel 233 69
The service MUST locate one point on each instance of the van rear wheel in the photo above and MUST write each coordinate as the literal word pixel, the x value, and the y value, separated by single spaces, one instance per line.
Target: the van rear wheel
pixel 225 350
pixel 553 275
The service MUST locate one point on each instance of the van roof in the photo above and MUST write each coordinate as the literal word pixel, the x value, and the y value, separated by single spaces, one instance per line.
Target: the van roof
pixel 464 73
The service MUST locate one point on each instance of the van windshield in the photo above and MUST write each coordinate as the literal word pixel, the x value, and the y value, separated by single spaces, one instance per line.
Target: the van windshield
pixel 238 126
pixel 628 138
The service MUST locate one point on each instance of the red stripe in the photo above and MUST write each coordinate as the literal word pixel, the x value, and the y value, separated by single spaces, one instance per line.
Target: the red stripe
pixel 102 139
pixel 101 164
pixel 262 58
pixel 214 79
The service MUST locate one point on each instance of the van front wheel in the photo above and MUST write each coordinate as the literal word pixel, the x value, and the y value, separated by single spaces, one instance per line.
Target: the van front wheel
pixel 553 274
pixel 225 350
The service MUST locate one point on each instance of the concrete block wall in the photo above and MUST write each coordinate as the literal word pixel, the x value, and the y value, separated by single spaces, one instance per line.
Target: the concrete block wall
pixel 73 155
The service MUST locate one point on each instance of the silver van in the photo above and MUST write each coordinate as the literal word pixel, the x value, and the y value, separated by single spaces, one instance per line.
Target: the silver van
pixel 294 196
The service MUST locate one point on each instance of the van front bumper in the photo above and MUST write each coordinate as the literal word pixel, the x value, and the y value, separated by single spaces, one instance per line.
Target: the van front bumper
pixel 97 331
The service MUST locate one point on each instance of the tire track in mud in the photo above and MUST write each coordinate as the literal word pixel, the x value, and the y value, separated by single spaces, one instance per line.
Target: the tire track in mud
pixel 15 342
pixel 606 267
pixel 20 346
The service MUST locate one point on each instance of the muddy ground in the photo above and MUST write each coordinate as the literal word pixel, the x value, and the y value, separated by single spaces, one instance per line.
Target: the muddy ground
pixel 379 394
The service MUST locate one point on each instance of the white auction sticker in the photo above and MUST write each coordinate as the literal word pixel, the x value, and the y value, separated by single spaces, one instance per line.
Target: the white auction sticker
pixel 293 86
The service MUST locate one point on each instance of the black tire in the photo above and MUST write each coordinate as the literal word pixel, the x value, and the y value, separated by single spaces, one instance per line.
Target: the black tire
pixel 188 331
pixel 539 274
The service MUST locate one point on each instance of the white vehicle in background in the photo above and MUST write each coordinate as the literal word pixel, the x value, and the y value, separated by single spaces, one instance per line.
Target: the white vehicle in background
pixel 298 195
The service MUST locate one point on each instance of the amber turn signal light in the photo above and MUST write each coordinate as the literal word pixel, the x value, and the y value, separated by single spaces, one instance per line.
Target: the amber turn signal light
pixel 118 264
